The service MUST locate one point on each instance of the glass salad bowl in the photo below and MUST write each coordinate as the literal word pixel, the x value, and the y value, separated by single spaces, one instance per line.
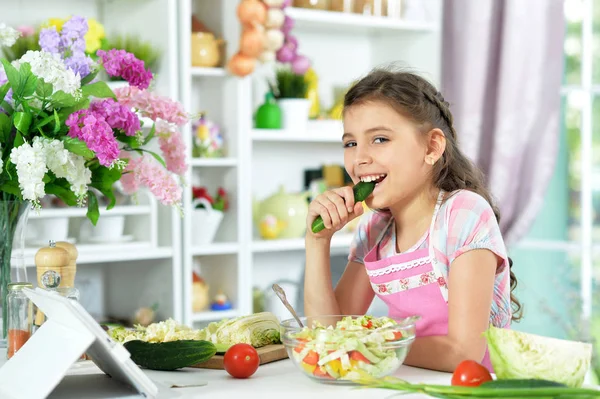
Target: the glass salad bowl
pixel 341 349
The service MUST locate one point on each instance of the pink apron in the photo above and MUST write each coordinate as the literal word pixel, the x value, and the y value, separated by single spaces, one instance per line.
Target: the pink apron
pixel 411 283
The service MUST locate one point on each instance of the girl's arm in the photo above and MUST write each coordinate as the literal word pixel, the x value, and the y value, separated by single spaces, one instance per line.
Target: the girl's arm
pixel 353 293
pixel 471 279
pixel 337 208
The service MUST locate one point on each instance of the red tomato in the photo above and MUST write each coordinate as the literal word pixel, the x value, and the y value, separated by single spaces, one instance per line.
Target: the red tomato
pixel 311 358
pixel 469 373
pixel 359 357
pixel 241 360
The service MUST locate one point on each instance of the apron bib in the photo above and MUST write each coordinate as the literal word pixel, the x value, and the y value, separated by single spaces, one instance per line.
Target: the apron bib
pixel 412 283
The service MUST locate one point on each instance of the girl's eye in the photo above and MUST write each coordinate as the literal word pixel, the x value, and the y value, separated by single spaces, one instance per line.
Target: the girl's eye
pixel 380 140
pixel 349 144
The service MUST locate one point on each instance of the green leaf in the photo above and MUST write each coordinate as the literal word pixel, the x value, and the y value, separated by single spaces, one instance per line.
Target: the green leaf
pixel 150 135
pixel 11 187
pixel 77 146
pixel 61 99
pixel 11 73
pixel 19 141
pixel 22 121
pixel 4 90
pixel 81 104
pixel 5 127
pixel 57 124
pixel 89 77
pixel 44 121
pixel 131 141
pixel 157 157
pixel 99 89
pixel 62 189
pixel 93 213
pixel 44 89
pixel 103 179
pixel 7 107
pixel 28 81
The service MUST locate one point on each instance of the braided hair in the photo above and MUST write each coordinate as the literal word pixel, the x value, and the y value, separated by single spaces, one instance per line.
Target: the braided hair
pixel 417 99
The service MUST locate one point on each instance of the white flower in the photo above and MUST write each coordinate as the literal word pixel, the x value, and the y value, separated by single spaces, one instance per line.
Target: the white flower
pixel 31 169
pixel 52 69
pixel 8 35
pixel 64 163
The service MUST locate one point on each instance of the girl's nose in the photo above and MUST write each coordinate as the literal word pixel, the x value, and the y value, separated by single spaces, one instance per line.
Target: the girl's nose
pixel 362 157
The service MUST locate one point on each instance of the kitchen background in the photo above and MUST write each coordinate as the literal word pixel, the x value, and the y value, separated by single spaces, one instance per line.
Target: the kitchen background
pixel 249 170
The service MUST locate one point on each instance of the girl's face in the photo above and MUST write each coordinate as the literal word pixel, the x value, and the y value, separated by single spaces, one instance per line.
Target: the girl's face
pixel 382 145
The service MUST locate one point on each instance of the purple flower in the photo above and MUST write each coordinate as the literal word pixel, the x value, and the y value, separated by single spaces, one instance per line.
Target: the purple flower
pixel 49 40
pixel 79 63
pixel 70 44
pixel 96 133
pixel 3 80
pixel 117 115
pixel 124 65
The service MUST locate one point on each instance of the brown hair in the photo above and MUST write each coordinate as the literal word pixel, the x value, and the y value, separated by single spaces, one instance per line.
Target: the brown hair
pixel 416 98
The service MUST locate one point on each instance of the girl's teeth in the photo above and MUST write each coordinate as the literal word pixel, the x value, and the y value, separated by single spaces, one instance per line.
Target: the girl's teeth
pixel 371 178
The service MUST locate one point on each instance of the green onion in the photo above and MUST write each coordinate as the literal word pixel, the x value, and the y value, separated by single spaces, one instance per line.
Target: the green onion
pixel 455 392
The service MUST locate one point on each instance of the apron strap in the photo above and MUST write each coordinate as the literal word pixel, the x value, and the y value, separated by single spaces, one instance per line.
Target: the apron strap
pixel 437 267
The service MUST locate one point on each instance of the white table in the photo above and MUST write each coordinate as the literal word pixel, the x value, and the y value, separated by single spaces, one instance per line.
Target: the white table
pixel 279 380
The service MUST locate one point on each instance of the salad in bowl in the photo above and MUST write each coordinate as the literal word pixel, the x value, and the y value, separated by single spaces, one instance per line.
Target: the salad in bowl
pixel 344 348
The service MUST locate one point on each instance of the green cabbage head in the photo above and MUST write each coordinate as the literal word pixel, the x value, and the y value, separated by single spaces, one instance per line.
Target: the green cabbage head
pixel 519 355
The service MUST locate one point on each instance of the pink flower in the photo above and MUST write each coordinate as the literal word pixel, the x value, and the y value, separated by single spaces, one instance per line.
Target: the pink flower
pixel 172 146
pixel 146 171
pixel 96 133
pixel 382 288
pixel 26 30
pixel 123 64
pixel 151 105
pixel 441 282
pixel 117 115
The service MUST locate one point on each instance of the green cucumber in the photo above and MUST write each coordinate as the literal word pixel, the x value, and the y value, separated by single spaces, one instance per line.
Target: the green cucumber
pixel 361 191
pixel 171 355
pixel 522 383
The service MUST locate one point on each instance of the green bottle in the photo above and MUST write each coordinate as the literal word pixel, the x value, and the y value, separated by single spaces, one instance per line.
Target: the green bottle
pixel 268 115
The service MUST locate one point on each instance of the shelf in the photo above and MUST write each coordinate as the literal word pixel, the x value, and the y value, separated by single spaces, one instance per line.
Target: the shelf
pixel 341 241
pixel 81 212
pixel 197 71
pixel 353 23
pixel 214 162
pixel 320 131
pixel 219 248
pixel 215 315
pixel 89 253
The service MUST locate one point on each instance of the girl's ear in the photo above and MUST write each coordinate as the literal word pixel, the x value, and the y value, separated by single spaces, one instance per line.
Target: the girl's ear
pixel 436 145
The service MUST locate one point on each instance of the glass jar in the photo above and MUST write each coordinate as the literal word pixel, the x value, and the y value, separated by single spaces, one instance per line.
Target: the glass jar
pixel 20 317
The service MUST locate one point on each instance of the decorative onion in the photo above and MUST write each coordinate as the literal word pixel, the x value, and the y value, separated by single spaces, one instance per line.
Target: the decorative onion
pixel 274 39
pixel 252 42
pixel 252 12
pixel 275 18
pixel 241 65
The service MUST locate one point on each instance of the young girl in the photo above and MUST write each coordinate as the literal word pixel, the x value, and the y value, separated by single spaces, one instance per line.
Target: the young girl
pixel 432 246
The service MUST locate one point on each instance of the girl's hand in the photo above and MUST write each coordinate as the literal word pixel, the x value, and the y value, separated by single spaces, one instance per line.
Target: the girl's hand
pixel 336 207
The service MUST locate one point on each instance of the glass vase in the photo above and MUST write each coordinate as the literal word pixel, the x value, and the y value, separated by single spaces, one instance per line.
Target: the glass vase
pixel 14 215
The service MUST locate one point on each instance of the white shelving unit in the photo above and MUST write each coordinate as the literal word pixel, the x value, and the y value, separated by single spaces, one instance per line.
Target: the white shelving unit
pixel 342 47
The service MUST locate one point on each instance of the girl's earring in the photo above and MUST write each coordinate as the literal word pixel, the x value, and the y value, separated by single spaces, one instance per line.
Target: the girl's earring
pixel 430 161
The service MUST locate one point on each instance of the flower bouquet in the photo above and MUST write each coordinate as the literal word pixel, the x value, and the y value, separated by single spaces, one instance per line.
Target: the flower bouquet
pixel 63 132
pixel 208 213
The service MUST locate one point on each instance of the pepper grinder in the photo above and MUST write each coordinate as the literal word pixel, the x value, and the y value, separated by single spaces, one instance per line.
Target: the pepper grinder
pixel 67 275
pixel 51 263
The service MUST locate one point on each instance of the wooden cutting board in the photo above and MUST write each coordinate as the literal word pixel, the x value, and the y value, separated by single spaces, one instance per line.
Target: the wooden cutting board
pixel 267 354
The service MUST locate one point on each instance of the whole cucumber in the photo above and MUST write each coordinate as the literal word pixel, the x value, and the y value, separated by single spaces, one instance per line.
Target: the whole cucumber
pixel 361 191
